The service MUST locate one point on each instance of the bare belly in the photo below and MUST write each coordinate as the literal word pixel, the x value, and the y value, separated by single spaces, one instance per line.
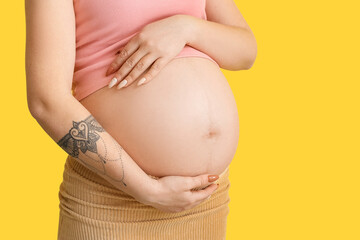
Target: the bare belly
pixel 183 122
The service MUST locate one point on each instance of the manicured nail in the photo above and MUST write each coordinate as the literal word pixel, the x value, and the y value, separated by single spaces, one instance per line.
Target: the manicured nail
pixel 141 81
pixel 109 71
pixel 122 83
pixel 113 82
pixel 212 177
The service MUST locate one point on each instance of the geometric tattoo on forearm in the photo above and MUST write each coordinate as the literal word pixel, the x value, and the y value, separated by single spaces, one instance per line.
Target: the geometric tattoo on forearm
pixel 85 136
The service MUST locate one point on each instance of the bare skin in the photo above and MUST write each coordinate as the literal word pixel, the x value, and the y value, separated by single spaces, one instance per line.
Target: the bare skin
pixel 226 37
pixel 50 55
pixel 183 122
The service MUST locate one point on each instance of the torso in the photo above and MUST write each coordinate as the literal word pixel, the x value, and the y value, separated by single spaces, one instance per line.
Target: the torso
pixel 183 122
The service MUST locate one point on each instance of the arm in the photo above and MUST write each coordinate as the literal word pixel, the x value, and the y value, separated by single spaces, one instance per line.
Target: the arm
pixel 226 37
pixel 50 57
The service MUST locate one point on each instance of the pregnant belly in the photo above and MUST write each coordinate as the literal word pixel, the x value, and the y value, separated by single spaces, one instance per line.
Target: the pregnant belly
pixel 183 122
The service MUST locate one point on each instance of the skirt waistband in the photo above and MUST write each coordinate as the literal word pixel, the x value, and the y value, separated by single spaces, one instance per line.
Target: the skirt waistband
pixel 85 194
pixel 96 178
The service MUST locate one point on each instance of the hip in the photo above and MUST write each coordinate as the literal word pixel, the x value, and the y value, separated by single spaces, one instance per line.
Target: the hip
pixel 91 208
pixel 85 195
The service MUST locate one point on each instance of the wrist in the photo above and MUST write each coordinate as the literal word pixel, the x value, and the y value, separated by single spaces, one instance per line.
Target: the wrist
pixel 187 26
pixel 148 191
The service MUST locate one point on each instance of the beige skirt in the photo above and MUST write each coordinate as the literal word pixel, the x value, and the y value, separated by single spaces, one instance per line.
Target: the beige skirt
pixel 93 209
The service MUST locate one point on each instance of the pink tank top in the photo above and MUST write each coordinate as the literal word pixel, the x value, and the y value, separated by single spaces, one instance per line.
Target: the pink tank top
pixel 104 27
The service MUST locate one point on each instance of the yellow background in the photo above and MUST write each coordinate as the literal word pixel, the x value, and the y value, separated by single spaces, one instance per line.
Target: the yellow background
pixel 295 174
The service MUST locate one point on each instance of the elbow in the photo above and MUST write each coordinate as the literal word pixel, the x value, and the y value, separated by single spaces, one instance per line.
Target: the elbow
pixel 251 52
pixel 252 55
pixel 250 62
pixel 244 63
pixel 36 107
pixel 246 57
pixel 40 105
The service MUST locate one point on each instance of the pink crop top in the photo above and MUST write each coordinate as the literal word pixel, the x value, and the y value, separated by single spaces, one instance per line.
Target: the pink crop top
pixel 104 27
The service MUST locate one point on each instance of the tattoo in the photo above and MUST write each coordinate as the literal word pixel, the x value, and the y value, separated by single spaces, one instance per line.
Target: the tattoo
pixel 85 136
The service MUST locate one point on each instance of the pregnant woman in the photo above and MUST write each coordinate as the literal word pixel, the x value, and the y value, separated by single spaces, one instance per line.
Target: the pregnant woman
pixel 133 92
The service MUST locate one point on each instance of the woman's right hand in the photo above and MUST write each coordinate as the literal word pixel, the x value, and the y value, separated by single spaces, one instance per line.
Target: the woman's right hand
pixel 175 194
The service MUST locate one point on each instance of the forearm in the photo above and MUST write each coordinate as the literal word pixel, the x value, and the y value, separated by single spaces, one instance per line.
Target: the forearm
pixel 233 48
pixel 75 130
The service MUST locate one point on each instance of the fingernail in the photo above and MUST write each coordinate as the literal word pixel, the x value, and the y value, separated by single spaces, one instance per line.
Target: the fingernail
pixel 109 71
pixel 112 82
pixel 212 177
pixel 141 81
pixel 122 83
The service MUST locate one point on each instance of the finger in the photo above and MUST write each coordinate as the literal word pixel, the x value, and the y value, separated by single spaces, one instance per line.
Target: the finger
pixel 201 195
pixel 200 181
pixel 129 64
pixel 154 70
pixel 124 54
pixel 131 46
pixel 143 64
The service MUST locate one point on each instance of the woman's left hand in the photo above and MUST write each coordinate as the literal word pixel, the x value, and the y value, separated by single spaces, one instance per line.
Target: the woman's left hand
pixel 153 47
